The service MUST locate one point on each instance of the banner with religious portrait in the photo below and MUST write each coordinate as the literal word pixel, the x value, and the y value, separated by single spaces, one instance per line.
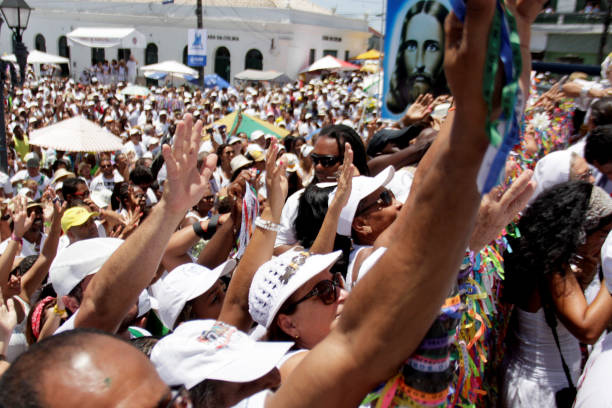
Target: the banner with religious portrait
pixel 414 53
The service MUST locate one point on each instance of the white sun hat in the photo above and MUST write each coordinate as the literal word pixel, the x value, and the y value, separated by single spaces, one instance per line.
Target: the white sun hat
pixel 278 279
pixel 184 283
pixel 362 187
pixel 79 260
pixel 201 350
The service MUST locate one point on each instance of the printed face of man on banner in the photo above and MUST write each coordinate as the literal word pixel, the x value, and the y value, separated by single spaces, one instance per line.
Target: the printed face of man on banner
pixel 418 66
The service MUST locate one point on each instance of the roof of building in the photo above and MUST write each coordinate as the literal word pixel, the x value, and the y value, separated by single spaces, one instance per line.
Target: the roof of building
pixel 301 5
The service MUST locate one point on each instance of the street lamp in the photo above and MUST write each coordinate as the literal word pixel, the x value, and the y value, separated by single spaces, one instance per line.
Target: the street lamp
pixel 16 13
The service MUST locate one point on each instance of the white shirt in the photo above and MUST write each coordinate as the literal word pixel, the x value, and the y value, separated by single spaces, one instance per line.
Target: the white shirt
pixel 594 389
pixel 100 182
pixel 138 149
pixel 27 248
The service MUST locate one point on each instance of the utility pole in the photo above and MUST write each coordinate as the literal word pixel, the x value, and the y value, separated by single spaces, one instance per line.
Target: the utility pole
pixel 604 35
pixel 200 25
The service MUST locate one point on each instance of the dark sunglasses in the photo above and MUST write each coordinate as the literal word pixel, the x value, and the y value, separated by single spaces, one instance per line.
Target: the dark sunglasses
pixel 325 160
pixel 385 199
pixel 106 166
pixel 326 290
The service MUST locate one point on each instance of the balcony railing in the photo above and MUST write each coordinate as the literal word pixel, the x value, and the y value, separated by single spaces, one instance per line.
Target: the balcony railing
pixel 571 18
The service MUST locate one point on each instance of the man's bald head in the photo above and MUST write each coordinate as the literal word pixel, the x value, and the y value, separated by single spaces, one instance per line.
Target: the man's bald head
pixel 82 368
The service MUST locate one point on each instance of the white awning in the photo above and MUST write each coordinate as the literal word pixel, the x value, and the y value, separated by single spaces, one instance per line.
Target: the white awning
pixel 107 37
pixel 39 57
pixel 255 75
pixel 170 67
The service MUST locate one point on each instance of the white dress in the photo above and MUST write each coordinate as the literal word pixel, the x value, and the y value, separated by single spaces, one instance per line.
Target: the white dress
pixel 532 370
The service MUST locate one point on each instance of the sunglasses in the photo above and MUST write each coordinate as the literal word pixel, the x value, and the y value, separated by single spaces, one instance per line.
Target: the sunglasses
pixel 325 160
pixel 326 290
pixel 385 199
pixel 106 166
pixel 585 176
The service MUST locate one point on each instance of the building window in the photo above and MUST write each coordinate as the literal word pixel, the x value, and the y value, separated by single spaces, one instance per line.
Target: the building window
pixel 64 51
pixel 97 55
pixel 222 63
pixel 150 54
pixel 185 51
pixel 253 60
pixel 312 56
pixel 124 54
pixel 333 53
pixel 39 43
pixel 346 55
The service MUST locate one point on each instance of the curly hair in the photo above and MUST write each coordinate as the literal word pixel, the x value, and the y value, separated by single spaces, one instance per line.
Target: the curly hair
pixel 551 230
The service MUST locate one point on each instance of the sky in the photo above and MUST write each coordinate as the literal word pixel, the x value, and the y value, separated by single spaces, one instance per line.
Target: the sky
pixel 356 9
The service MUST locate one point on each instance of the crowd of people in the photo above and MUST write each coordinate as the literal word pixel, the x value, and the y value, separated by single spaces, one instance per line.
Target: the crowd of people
pixel 204 265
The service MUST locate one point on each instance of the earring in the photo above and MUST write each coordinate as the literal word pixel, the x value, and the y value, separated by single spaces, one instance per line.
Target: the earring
pixel 367 229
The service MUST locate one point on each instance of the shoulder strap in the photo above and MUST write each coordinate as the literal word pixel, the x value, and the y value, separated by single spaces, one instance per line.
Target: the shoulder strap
pixel 551 321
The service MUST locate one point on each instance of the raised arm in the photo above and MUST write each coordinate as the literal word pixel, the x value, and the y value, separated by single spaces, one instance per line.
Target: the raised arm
pixel 21 224
pixel 34 277
pixel 116 287
pixel 387 315
pixel 324 243
pixel 235 310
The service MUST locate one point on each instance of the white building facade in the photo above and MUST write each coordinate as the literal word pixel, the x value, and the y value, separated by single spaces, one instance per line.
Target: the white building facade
pixel 282 35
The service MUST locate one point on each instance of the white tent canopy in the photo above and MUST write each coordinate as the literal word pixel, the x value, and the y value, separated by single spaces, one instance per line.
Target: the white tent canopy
pixel 170 67
pixel 38 57
pixel 255 75
pixel 76 135
pixel 99 37
pixel 330 63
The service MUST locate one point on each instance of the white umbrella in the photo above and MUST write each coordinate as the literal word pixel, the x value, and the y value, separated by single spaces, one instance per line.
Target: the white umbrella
pixel 170 67
pixel 329 63
pixel 135 90
pixel 39 57
pixel 76 135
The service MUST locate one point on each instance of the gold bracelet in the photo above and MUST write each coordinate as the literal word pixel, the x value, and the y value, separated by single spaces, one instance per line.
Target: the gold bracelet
pixel 59 312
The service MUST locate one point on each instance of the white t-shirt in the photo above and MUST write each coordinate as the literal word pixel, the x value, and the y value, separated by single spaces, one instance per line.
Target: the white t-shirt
pixel 594 389
pixel 100 182
pixel 5 184
pixel 27 248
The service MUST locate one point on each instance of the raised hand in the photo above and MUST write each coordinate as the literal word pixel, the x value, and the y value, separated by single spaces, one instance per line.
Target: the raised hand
pixel 345 179
pixel 185 185
pixel 8 321
pixel 464 56
pixel 276 181
pixel 499 208
pixel 419 110
pixel 19 214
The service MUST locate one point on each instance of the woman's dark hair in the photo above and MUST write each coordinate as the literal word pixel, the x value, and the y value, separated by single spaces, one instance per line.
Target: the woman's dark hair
pixel 346 134
pixel 289 143
pixel 601 111
pixel 69 186
pixel 312 207
pixel 220 152
pixel 24 265
pixel 121 193
pixel 141 175
pixel 598 145
pixel 551 230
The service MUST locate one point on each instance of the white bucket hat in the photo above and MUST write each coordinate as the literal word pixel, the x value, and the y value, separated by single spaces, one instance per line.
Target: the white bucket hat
pixel 278 279
pixel 201 350
pixel 362 187
pixel 79 260
pixel 184 283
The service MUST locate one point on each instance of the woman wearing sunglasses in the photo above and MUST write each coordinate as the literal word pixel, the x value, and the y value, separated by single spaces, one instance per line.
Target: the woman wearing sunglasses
pixel 327 157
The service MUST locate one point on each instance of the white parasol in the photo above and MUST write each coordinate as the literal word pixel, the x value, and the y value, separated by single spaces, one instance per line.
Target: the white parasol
pixel 76 135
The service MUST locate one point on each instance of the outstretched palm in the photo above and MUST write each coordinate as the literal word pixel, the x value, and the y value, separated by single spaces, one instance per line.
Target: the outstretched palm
pixel 185 183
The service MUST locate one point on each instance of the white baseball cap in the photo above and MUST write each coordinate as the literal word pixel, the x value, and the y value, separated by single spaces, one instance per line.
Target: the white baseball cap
pixel 606 261
pixel 201 350
pixel 79 260
pixel 184 283
pixel 256 134
pixel 278 279
pixel 362 187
